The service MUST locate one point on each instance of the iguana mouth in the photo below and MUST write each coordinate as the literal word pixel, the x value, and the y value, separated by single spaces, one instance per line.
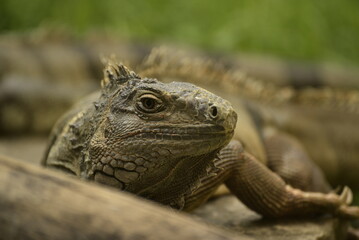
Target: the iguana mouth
pixel 181 133
pixel 167 136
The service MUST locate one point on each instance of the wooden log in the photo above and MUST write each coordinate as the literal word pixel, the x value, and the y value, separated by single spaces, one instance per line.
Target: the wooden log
pixel 38 203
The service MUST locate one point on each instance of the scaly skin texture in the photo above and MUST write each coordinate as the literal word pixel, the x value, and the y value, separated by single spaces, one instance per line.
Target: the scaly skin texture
pixel 171 143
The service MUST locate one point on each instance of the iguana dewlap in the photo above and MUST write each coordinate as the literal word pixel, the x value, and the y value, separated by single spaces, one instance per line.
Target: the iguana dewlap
pixel 171 143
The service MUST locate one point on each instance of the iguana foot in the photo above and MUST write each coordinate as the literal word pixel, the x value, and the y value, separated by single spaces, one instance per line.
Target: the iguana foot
pixel 337 204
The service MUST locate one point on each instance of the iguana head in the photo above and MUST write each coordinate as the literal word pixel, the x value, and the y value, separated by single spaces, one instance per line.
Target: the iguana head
pixel 148 132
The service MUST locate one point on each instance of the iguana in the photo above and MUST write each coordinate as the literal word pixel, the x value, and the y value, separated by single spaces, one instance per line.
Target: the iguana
pixel 171 143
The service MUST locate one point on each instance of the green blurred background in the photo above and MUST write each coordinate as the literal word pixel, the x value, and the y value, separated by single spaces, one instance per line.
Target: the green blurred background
pixel 321 30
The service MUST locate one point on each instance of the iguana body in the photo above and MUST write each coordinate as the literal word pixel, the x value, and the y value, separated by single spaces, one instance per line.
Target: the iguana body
pixel 171 143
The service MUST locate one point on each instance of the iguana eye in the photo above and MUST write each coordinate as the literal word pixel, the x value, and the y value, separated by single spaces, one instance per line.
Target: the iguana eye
pixel 149 103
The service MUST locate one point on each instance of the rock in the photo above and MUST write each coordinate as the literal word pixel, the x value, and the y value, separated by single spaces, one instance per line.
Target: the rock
pixel 230 213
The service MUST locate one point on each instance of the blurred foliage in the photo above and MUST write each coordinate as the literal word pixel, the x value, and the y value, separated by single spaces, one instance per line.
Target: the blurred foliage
pixel 305 30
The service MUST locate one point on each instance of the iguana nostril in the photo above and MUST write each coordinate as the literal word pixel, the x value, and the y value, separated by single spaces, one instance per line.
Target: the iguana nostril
pixel 213 112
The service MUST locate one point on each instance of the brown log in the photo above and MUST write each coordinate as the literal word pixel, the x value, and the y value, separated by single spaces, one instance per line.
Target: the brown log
pixel 38 203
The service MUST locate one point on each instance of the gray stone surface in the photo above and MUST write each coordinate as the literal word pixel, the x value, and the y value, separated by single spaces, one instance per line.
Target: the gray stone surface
pixel 228 212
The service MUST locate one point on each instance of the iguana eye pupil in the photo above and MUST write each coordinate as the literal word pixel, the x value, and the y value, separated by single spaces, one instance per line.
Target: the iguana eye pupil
pixel 148 103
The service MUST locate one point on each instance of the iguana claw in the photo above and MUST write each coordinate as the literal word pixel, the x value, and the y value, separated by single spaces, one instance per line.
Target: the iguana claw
pixel 346 195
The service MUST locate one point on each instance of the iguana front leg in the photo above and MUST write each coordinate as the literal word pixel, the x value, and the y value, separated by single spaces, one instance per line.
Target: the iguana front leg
pixel 265 192
pixel 288 158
